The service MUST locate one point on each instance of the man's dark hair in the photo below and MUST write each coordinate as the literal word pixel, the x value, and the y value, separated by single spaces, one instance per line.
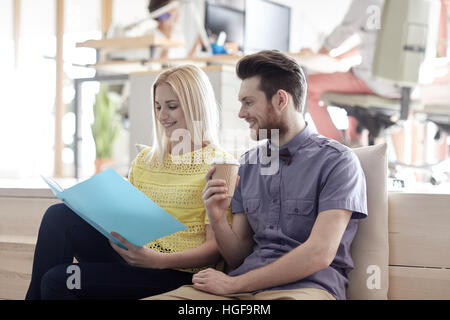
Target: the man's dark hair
pixel 156 4
pixel 276 71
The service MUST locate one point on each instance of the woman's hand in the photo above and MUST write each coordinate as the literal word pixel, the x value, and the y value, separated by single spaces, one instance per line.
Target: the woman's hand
pixel 138 256
pixel 215 282
pixel 215 197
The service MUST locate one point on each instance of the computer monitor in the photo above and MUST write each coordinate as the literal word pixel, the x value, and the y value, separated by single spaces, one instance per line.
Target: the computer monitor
pixel 267 26
pixel 222 18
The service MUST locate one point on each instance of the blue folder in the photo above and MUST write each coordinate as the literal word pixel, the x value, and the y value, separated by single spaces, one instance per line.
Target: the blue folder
pixel 108 202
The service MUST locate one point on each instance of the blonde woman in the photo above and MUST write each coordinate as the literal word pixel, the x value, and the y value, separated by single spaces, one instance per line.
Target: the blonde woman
pixel 171 172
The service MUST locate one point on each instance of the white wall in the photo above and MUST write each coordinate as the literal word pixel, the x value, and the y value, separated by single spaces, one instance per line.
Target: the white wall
pixel 28 91
pixel 126 11
pixel 311 20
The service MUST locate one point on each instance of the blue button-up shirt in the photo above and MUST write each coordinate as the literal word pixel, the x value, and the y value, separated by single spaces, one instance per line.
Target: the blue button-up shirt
pixel 282 206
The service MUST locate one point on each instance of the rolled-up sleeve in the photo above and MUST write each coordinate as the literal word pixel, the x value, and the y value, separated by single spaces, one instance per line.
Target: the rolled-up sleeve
pixel 344 186
pixel 237 205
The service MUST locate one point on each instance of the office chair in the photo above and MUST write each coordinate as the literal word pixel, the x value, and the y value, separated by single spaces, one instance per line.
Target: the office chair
pixel 439 114
pixel 400 51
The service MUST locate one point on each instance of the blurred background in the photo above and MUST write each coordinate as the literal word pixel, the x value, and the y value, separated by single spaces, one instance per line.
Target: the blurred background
pixel 66 97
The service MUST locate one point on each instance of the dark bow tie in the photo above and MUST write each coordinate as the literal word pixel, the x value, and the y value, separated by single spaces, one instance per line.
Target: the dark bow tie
pixel 285 155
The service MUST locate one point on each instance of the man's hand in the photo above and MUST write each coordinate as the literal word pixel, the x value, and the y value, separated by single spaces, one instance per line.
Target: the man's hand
pixel 215 282
pixel 215 197
pixel 138 256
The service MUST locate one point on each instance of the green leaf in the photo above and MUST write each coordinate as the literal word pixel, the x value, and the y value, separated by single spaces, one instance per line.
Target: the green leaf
pixel 106 126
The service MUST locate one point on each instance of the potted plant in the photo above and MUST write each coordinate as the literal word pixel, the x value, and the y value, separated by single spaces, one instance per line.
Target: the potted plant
pixel 105 128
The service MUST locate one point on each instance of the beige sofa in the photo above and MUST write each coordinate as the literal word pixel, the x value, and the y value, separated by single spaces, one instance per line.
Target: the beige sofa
pixel 401 251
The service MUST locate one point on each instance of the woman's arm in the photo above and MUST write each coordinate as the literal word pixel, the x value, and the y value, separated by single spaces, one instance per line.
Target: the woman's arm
pixel 204 255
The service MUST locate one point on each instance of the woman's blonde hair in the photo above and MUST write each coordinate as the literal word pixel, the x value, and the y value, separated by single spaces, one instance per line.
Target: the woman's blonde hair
pixel 198 102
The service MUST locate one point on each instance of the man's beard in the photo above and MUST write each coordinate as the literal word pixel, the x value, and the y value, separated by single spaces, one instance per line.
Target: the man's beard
pixel 272 122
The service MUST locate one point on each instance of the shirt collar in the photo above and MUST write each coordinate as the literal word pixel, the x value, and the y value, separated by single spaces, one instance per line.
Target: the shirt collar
pixel 295 143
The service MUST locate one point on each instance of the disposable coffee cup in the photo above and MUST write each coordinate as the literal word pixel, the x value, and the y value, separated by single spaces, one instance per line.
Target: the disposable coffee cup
pixel 226 169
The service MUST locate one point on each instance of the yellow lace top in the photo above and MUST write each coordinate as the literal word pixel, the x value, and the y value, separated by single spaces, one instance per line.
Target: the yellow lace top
pixel 177 187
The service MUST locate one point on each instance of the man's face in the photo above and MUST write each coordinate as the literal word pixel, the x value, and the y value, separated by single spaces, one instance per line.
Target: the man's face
pixel 257 110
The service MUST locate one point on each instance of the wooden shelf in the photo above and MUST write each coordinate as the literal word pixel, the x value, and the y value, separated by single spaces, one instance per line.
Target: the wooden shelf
pixel 313 64
pixel 130 43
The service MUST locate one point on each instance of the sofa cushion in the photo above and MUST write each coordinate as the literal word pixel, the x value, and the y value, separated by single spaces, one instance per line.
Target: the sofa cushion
pixel 370 248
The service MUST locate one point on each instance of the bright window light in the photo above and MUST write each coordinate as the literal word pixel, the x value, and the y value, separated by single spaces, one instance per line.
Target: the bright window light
pixel 339 117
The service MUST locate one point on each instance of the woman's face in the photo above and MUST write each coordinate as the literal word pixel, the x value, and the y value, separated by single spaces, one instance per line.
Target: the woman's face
pixel 168 109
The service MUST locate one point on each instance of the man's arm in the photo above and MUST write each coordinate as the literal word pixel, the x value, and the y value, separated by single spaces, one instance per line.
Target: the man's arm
pixel 315 254
pixel 235 243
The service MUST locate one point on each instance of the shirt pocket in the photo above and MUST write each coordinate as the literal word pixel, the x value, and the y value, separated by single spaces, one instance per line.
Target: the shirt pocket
pixel 252 208
pixel 298 219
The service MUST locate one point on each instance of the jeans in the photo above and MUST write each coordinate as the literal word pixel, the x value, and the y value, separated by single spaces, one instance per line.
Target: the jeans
pixel 340 82
pixel 102 273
